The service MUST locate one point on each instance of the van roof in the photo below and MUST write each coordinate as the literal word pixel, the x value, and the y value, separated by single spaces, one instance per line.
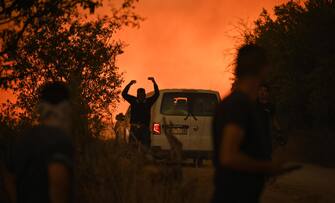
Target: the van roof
pixel 188 90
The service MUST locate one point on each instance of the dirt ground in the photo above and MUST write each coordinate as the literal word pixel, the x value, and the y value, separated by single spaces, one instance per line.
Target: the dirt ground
pixel 311 184
pixel 314 183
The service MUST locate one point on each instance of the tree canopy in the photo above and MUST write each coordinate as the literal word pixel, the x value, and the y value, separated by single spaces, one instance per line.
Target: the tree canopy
pixel 62 44
pixel 300 40
pixel 19 17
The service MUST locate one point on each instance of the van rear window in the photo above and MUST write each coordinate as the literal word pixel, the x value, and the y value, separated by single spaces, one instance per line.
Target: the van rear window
pixel 183 103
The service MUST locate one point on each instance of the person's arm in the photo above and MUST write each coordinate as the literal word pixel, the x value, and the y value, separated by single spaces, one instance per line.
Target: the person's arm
pixel 60 159
pixel 59 183
pixel 156 90
pixel 125 94
pixel 232 157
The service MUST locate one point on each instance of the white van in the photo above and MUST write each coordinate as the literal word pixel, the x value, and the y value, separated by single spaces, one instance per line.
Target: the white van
pixel 187 114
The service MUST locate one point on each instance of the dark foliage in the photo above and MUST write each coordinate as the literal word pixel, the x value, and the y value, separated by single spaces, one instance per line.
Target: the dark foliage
pixel 57 41
pixel 301 43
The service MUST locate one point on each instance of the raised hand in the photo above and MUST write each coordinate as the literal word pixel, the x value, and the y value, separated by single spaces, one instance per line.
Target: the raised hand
pixel 152 79
pixel 132 82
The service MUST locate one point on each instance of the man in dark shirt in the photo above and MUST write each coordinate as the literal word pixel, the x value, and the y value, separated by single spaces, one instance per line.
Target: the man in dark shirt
pixel 240 145
pixel 40 170
pixel 140 114
pixel 268 115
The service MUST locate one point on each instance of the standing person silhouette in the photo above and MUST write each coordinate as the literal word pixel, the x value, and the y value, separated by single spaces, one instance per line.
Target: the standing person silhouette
pixel 120 128
pixel 140 115
pixel 269 117
pixel 241 156
pixel 266 111
pixel 41 167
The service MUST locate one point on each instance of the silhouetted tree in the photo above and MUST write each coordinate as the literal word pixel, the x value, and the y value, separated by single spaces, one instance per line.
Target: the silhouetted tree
pixel 300 39
pixel 19 17
pixel 64 44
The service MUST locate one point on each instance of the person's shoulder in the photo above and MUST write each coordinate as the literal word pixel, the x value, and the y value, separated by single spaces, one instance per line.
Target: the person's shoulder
pixel 45 129
pixel 36 136
pixel 29 134
pixel 49 134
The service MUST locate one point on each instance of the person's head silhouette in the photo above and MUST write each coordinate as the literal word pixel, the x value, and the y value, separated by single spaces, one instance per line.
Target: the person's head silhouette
pixel 120 117
pixel 141 94
pixel 251 60
pixel 54 107
pixel 263 94
pixel 251 69
pixel 54 93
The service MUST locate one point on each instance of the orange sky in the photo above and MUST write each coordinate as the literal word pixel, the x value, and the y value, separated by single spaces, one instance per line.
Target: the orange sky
pixel 185 43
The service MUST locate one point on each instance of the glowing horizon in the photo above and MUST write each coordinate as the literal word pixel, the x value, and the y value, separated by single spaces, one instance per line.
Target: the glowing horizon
pixel 184 43
pixel 188 43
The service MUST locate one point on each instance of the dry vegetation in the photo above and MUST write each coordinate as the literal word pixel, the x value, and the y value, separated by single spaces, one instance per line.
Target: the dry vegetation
pixel 109 172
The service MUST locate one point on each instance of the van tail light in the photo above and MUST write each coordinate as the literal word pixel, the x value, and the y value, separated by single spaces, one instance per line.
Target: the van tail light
pixel 156 128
